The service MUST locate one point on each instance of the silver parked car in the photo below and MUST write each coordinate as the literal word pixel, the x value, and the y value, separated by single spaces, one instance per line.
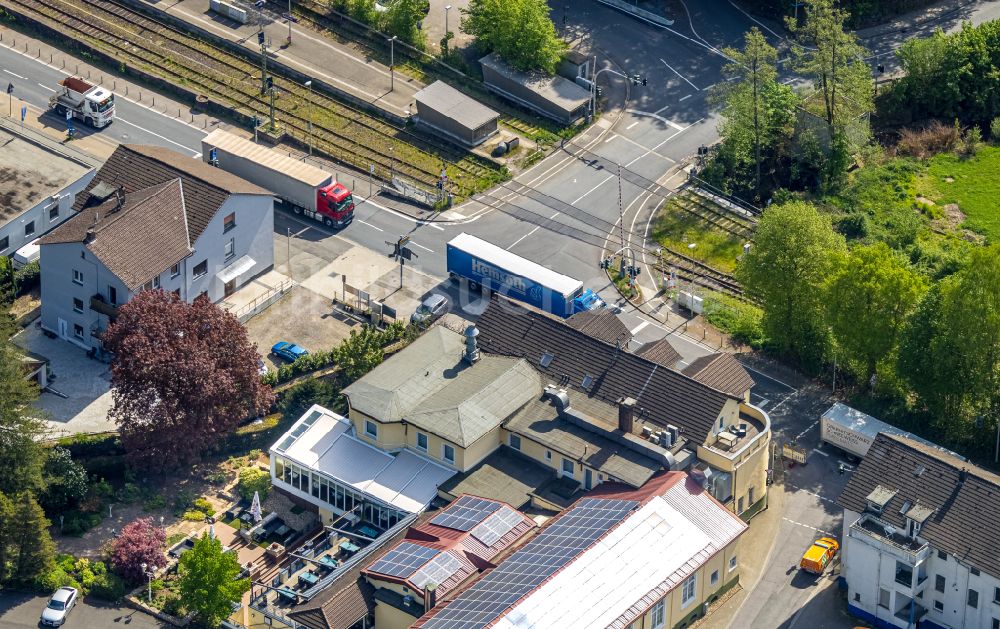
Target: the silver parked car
pixel 59 607
pixel 428 311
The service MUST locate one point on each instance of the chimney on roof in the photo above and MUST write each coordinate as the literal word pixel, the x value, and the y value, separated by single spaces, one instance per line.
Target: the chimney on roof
pixel 626 415
pixel 471 348
pixel 92 230
pixel 430 596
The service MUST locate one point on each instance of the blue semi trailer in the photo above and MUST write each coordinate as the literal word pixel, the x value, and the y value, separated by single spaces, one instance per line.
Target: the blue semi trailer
pixel 486 265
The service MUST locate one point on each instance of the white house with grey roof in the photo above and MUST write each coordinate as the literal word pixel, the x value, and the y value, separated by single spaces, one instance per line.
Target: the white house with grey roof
pixel 152 218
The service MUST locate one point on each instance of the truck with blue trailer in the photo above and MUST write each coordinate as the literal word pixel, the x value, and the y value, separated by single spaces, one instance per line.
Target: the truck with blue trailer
pixel 485 265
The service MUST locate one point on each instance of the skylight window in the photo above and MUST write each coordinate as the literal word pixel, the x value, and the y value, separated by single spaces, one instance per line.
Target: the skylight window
pixel 546 360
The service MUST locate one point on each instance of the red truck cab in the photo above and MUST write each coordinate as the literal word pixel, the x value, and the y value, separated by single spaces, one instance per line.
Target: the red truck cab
pixel 336 203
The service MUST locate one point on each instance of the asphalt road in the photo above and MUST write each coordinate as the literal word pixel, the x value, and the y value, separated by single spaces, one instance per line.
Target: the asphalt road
pixel 24 610
pixel 34 82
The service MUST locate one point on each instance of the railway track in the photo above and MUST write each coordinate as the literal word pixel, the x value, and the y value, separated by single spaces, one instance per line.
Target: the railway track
pixel 728 221
pixel 346 134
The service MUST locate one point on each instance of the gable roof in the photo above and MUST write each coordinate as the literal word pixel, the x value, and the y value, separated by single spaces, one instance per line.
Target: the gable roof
pixel 721 371
pixel 601 324
pixel 963 514
pixel 664 396
pixel 660 352
pixel 136 167
pixel 135 239
pixel 600 563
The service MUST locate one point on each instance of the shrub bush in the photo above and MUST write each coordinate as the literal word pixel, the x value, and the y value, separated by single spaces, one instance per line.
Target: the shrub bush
pixel 193 515
pixel 77 523
pixel 203 505
pixel 129 493
pixel 253 479
pixel 154 502
pixel 932 139
pixel 173 606
pixel 743 321
pixel 108 586
pixel 183 501
pixel 53 580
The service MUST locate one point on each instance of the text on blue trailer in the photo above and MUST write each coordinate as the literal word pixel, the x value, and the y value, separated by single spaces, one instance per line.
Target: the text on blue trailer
pixel 486 265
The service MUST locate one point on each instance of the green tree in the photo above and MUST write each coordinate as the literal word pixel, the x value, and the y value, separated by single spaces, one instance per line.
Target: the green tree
pixel 208 581
pixel 31 551
pixel 21 453
pixel 364 350
pixel 794 254
pixel 833 58
pixel 520 31
pixel 757 110
pixel 7 511
pixel 870 297
pixel 401 19
pixel 65 480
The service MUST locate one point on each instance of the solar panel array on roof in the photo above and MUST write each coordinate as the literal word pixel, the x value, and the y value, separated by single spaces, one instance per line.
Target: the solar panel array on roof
pixel 525 570
pixel 437 570
pixel 496 526
pixel 465 513
pixel 403 560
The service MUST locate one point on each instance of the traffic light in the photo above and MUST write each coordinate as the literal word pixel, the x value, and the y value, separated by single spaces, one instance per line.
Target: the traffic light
pixel 600 91
pixel 880 68
pixel 269 83
pixel 644 81
pixel 260 38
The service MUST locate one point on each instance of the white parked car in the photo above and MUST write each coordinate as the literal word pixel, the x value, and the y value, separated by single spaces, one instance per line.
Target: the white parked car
pixel 59 607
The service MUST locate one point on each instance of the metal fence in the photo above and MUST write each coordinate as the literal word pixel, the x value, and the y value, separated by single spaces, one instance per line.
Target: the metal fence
pixel 261 302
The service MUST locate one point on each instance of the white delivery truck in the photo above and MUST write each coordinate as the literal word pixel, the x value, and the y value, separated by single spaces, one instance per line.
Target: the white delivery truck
pixel 854 432
pixel 85 102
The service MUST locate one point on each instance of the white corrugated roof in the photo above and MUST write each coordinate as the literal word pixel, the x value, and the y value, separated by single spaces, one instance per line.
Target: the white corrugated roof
pixel 406 481
pixel 306 173
pixel 655 548
pixel 513 263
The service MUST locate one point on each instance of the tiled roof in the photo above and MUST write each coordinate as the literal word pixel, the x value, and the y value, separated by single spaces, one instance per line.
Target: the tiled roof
pixel 664 396
pixel 601 324
pixel 137 167
pixel 721 371
pixel 964 514
pixel 660 352
pixel 137 240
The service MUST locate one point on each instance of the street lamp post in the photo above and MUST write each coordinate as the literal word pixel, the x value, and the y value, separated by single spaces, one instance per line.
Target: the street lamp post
pixel 309 84
pixel 149 580
pixel 447 8
pixel 289 22
pixel 392 165
pixel 392 63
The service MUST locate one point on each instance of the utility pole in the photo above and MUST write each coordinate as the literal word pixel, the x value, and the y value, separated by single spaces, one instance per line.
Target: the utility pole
pixel 262 40
pixel 289 22
pixel 309 84
pixel 288 250
pixel 270 88
pixel 392 164
pixel 621 218
pixel 392 63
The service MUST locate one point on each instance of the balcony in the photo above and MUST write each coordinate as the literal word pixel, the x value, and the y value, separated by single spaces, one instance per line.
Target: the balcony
pixel 911 613
pixel 879 534
pixel 99 305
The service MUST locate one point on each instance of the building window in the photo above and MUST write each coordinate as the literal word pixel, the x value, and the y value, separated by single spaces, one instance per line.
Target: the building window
pixel 112 294
pixel 29 228
pixel 515 441
pixel 54 212
pixel 447 453
pixel 939 583
pixel 175 270
pixel 974 571
pixel 996 595
pixel 4 243
pixel 857 597
pixel 657 614
pixel 548 455
pixel 568 467
pixel 201 268
pixel 229 222
pixel 732 563
pixel 972 600
pixel 230 249
pixel 883 598
pixel 996 623
pixel 689 589
pixel 943 556
pixel 904 574
pixel 77 305
pixel 421 441
pixel 371 430
pixel 78 330
pixel 938 606
pixel 715 577
pixel 77 277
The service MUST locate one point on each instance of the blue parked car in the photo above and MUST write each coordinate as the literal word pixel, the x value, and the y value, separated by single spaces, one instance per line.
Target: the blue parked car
pixel 288 351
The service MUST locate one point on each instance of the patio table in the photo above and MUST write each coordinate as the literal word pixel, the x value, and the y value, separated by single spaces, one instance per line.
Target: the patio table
pixel 348 547
pixel 328 561
pixel 308 578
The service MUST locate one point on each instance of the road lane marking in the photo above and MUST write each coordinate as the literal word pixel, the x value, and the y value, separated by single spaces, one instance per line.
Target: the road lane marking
pixel 631 125
pixel 811 426
pixel 46 87
pixel 684 98
pixel 401 215
pixel 656 117
pixel 417 244
pixel 680 75
pixel 580 198
pixel 646 150
pixel 639 327
pixel 763 402
pixel 537 227
pixel 370 225
pixel 818 451
pixel 771 378
pixel 811 493
pixel 611 137
pixel 820 531
pixel 164 138
pixel 23 78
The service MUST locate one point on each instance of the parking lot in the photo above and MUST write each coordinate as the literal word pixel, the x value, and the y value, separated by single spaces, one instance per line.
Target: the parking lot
pixel 24 610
